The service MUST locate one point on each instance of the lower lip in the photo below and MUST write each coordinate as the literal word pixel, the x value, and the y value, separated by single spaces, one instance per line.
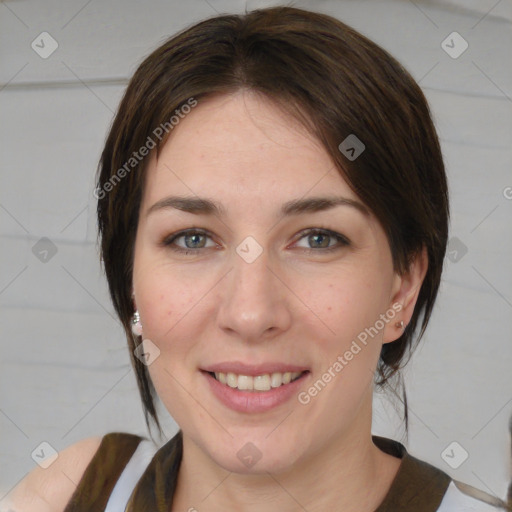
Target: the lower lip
pixel 253 401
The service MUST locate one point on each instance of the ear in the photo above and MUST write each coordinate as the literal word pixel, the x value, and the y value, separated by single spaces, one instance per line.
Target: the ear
pixel 406 288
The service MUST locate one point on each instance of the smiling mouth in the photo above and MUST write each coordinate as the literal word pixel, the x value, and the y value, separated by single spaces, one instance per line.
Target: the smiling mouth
pixel 258 383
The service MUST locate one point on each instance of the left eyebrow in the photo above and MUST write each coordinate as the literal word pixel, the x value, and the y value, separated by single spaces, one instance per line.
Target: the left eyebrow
pixel 199 205
pixel 318 204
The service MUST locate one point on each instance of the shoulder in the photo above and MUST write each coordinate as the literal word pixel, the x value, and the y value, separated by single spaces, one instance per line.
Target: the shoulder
pixel 419 485
pixel 75 468
pixel 461 496
pixel 45 490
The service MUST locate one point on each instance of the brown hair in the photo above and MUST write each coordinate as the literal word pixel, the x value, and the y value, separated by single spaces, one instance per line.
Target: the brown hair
pixel 337 83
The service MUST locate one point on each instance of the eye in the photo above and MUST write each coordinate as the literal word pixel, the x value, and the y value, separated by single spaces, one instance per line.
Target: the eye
pixel 189 240
pixel 322 239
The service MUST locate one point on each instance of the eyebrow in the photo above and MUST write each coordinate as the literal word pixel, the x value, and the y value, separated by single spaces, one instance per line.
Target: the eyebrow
pixel 204 206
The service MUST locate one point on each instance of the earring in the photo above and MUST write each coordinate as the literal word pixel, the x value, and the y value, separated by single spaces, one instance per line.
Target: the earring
pixel 136 325
pixel 400 325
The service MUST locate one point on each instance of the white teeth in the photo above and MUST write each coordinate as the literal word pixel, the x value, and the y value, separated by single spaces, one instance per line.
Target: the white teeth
pixel 276 380
pixel 245 382
pixel 258 383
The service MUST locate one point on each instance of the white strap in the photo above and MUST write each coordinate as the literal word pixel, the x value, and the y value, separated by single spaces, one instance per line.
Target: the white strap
pixel 456 500
pixel 130 476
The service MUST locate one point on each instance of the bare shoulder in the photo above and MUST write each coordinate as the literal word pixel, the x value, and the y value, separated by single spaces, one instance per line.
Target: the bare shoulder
pixel 50 489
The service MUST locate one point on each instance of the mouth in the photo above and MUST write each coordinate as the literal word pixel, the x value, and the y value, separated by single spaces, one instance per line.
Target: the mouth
pixel 258 383
pixel 257 393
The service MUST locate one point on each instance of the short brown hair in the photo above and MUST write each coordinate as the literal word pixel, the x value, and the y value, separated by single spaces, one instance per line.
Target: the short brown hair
pixel 337 83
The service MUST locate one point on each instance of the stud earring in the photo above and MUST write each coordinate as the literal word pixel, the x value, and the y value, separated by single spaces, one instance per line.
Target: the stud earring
pixel 400 325
pixel 136 325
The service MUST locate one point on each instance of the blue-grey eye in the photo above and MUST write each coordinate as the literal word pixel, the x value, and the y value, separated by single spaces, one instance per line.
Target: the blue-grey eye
pixel 319 240
pixel 191 239
pixel 322 239
pixel 194 240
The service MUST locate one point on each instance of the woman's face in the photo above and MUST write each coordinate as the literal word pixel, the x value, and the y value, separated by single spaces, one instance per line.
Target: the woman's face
pixel 271 280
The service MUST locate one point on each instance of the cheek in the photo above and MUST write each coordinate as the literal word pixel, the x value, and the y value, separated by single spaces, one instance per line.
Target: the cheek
pixel 163 305
pixel 168 309
pixel 347 303
pixel 347 346
pixel 173 301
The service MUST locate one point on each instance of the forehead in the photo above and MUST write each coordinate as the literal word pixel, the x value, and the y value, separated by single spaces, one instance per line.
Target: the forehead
pixel 241 142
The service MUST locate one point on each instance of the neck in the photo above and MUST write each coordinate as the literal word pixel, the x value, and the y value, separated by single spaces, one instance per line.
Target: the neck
pixel 349 474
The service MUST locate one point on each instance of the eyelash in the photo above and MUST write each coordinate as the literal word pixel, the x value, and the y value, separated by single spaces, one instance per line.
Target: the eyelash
pixel 342 240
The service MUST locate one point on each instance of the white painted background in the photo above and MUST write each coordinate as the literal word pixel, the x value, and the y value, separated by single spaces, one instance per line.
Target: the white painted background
pixel 64 367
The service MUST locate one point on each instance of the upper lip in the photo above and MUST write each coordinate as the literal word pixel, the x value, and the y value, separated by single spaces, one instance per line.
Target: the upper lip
pixel 253 369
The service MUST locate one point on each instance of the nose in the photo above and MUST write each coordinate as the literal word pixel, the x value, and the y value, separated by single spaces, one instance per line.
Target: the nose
pixel 255 301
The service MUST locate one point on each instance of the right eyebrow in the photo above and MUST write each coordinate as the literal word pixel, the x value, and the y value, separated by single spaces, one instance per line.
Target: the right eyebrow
pixel 195 205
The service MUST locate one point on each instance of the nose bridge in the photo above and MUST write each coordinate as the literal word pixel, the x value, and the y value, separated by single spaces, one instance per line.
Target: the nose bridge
pixel 253 276
pixel 254 302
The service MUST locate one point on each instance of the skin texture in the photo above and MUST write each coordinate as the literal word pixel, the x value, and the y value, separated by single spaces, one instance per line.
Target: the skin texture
pixel 296 303
pixel 50 489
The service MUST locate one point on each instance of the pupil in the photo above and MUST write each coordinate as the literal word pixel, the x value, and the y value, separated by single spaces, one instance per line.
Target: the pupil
pixel 322 239
pixel 195 239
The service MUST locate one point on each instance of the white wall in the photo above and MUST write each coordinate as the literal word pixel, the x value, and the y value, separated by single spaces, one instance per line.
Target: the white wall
pixel 64 367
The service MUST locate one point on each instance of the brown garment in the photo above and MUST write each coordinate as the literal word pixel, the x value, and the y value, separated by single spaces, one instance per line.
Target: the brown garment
pixel 417 487
pixel 101 474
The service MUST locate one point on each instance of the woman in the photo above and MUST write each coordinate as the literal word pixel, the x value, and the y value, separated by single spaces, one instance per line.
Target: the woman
pixel 273 215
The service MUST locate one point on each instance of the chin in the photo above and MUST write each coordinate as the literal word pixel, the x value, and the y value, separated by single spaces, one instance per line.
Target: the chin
pixel 263 466
pixel 253 455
